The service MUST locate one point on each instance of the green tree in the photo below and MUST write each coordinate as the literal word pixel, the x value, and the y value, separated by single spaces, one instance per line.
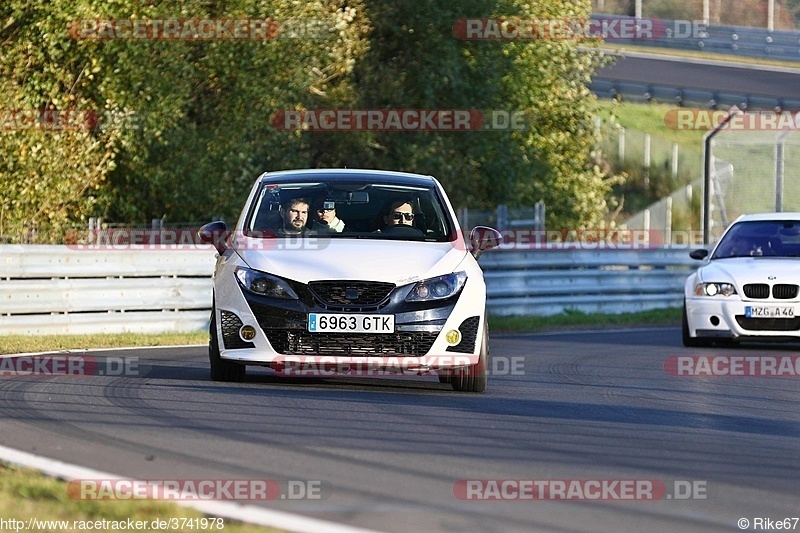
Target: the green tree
pixel 185 126
pixel 192 118
pixel 415 61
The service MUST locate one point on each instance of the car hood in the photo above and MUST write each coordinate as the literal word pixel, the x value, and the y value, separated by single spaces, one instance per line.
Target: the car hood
pixel 745 270
pixel 398 262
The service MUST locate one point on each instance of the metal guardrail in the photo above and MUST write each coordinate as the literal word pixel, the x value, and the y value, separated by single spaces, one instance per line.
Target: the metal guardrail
pixel 647 92
pixel 62 290
pixel 734 40
pixel 65 290
pixel 548 282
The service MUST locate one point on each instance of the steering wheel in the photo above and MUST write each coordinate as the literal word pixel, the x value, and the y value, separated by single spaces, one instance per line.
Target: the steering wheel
pixel 402 230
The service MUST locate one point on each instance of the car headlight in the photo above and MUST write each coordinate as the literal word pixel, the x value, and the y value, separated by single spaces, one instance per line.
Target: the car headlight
pixel 437 288
pixel 264 284
pixel 714 289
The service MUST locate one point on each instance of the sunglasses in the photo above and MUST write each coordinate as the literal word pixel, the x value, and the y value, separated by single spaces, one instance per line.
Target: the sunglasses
pixel 322 210
pixel 397 215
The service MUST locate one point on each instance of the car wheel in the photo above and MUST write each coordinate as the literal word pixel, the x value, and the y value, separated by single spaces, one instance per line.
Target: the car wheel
pixel 221 370
pixel 688 340
pixel 474 378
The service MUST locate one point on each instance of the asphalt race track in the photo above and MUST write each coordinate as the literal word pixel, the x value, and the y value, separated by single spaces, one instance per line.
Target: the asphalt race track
pixel 713 76
pixel 389 452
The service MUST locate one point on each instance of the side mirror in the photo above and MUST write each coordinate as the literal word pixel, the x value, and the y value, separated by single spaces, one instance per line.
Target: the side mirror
pixel 483 238
pixel 698 254
pixel 215 233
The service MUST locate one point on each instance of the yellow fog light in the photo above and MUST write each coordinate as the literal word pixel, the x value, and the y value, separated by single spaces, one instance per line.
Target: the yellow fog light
pixel 453 337
pixel 247 333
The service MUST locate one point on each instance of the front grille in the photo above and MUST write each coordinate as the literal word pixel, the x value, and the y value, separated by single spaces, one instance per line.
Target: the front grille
pixel 469 333
pixel 769 324
pixel 230 331
pixel 351 295
pixel 784 292
pixel 300 342
pixel 756 290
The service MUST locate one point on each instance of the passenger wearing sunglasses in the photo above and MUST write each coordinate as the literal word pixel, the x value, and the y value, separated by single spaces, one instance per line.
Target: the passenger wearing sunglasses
pixel 400 214
pixel 325 219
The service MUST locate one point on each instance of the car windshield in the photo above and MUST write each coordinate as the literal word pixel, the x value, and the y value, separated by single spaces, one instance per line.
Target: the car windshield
pixel 767 238
pixel 345 208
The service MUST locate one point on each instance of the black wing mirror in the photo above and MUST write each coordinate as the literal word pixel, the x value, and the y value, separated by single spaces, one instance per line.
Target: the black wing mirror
pixel 698 254
pixel 215 233
pixel 483 238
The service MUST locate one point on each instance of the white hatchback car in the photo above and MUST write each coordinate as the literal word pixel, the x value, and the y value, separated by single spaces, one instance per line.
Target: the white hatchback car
pixel 355 272
pixel 748 287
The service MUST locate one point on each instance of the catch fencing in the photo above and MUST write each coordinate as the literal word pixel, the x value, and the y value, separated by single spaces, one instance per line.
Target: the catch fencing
pixel 751 172
pixel 60 290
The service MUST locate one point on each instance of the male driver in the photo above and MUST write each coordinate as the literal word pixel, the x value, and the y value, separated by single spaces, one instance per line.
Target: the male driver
pixel 400 214
pixel 295 214
pixel 326 220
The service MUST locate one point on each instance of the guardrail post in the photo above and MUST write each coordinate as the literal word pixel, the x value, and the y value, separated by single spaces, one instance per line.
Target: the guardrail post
pixel 646 159
pixel 502 217
pixel 668 222
pixel 674 160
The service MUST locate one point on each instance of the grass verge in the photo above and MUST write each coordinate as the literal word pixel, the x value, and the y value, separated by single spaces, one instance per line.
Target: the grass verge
pixel 649 118
pixel 31 343
pixel 26 494
pixel 572 319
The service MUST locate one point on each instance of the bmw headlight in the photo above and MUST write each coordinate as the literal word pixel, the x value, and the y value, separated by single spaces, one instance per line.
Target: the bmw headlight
pixel 264 284
pixel 437 288
pixel 714 289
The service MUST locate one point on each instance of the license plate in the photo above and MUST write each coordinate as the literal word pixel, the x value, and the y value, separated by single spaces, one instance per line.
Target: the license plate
pixel 768 312
pixel 338 323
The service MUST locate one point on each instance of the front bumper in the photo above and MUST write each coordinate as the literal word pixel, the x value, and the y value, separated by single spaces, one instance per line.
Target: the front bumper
pixel 727 319
pixel 418 341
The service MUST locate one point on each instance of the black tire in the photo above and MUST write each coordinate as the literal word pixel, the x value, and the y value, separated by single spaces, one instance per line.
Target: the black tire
pixel 689 341
pixel 474 378
pixel 221 370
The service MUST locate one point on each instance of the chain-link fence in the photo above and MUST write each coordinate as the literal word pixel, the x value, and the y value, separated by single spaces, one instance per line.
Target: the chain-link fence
pixel 751 172
pixel 753 13
pixel 663 188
